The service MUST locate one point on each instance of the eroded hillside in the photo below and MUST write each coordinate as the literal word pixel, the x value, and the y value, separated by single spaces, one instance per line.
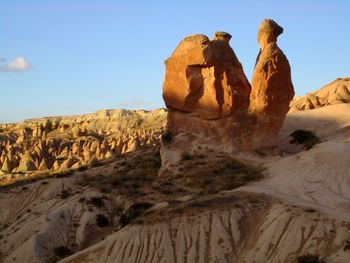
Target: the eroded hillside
pixel 39 146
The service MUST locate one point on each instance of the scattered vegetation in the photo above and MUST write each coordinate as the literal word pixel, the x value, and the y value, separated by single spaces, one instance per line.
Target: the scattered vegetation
pixel 96 163
pixel 62 251
pixel 82 168
pixel 306 138
pixel 133 212
pixel 211 174
pixel 65 193
pixel 64 174
pixel 310 210
pixel 186 156
pixel 97 201
pixel 102 220
pixel 309 258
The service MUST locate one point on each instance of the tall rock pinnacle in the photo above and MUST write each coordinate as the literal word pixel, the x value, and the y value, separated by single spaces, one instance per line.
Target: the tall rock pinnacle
pixel 272 88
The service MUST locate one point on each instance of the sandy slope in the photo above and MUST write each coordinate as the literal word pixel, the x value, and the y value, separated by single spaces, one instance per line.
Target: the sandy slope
pixel 319 177
pixel 305 209
pixel 255 230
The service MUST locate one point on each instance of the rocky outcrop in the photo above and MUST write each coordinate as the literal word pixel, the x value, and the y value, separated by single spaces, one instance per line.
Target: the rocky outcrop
pixel 210 101
pixel 336 92
pixel 272 88
pixel 205 78
pixel 60 143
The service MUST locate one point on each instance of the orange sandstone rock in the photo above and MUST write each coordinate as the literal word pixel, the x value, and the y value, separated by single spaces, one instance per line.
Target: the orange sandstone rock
pixel 205 78
pixel 210 101
pixel 272 88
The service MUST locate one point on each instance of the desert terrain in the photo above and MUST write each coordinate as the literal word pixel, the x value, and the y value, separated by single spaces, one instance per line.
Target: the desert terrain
pixel 263 206
pixel 230 171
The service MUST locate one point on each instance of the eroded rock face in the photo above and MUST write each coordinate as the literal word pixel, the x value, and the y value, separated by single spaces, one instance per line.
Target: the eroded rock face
pixel 61 143
pixel 209 98
pixel 272 88
pixel 205 78
pixel 336 92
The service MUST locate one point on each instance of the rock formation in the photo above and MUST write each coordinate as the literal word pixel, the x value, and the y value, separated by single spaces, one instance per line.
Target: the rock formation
pixel 338 91
pixel 272 88
pixel 205 78
pixel 60 143
pixel 210 100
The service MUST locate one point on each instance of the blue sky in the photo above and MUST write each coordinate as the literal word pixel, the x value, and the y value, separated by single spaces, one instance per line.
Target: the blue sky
pixel 73 57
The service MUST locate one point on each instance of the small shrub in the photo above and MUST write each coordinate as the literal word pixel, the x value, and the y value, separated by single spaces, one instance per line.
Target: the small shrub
pixel 64 174
pixel 96 201
pixel 306 138
pixel 82 168
pixel 95 163
pixel 102 220
pixel 134 211
pixel 167 136
pixel 62 251
pixel 309 258
pixel 310 210
pixel 116 182
pixel 186 156
pixel 105 190
pixel 65 194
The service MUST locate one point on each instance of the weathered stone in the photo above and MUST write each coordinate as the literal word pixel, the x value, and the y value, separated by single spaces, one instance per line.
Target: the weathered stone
pixel 205 78
pixel 210 101
pixel 338 91
pixel 72 141
pixel 272 88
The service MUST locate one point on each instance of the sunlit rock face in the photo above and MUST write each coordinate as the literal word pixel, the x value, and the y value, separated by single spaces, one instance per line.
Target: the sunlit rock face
pixel 272 88
pixel 210 100
pixel 205 78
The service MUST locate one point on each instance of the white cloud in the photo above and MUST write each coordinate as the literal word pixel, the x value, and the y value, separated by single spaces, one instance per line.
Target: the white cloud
pixel 17 65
